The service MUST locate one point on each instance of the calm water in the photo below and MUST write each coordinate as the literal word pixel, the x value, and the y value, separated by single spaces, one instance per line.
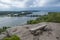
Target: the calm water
pixel 17 21
pixel 14 21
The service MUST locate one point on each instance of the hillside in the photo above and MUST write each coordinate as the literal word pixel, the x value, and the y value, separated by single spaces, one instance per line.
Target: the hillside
pixel 24 34
pixel 50 17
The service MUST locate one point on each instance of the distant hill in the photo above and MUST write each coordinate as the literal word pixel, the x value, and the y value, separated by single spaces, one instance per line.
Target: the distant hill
pixel 14 12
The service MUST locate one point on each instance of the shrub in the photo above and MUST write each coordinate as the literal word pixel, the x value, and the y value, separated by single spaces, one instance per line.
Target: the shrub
pixel 13 37
pixel 3 29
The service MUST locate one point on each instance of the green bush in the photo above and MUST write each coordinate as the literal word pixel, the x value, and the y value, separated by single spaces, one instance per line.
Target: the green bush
pixel 32 22
pixel 3 29
pixel 13 37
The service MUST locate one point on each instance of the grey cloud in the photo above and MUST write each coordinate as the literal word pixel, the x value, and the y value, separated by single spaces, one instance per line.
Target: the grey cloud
pixel 49 3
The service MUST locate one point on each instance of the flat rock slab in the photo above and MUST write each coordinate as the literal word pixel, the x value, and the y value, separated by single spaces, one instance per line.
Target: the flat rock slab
pixel 2 36
pixel 24 33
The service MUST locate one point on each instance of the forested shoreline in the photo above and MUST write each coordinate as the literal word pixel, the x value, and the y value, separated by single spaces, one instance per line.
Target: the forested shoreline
pixel 50 17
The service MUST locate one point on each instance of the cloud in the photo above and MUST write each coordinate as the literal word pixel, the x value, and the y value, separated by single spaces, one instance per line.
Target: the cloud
pixel 45 3
pixel 40 3
pixel 18 4
pixel 4 6
pixel 6 1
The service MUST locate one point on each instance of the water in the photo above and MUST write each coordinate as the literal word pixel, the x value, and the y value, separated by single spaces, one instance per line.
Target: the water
pixel 17 21
pixel 14 21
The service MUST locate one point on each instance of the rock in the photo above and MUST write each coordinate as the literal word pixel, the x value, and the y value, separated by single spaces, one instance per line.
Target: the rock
pixel 2 36
pixel 24 33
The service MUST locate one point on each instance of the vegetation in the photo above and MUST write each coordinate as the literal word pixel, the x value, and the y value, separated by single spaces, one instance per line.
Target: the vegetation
pixel 34 16
pixel 13 37
pixel 50 17
pixel 15 13
pixel 3 29
pixel 8 37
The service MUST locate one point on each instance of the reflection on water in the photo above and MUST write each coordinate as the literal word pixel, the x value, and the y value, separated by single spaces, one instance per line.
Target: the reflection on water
pixel 14 21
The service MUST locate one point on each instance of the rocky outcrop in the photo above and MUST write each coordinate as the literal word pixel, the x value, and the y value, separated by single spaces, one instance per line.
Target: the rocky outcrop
pixel 51 32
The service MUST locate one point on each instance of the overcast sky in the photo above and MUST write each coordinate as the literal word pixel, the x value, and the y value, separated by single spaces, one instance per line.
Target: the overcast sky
pixel 26 4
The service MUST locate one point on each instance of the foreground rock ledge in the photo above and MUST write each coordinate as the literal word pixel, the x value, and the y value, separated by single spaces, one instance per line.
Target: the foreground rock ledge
pixel 24 34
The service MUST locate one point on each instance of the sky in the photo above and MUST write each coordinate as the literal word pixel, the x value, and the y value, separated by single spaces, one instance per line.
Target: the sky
pixel 17 5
